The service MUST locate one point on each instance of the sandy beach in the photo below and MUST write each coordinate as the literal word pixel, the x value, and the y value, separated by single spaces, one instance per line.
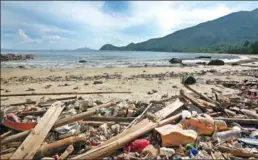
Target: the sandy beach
pixel 165 81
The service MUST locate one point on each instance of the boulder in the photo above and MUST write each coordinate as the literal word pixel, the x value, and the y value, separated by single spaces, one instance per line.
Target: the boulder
pixel 188 80
pixel 201 63
pixel 206 57
pixel 82 61
pixel 216 62
pixel 175 60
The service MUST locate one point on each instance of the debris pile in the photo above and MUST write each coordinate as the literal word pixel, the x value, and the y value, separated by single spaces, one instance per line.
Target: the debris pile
pixel 190 125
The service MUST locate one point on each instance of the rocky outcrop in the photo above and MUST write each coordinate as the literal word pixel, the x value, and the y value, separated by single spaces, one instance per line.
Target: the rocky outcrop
pixel 14 57
pixel 175 60
pixel 216 62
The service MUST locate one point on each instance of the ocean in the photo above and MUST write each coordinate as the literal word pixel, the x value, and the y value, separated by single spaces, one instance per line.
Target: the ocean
pixel 105 59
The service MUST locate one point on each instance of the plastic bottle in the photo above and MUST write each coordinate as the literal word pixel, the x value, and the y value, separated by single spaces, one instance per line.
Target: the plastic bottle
pixel 168 152
pixel 228 135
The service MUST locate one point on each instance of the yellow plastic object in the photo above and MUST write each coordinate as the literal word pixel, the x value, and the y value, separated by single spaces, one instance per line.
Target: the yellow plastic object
pixel 174 135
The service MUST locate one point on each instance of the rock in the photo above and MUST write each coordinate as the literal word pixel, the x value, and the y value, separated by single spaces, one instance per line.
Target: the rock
pixel 12 57
pixel 82 61
pixel 30 89
pixel 48 86
pixel 200 57
pixel 97 82
pixel 21 67
pixel 201 63
pixel 188 80
pixel 216 62
pixel 235 64
pixel 175 60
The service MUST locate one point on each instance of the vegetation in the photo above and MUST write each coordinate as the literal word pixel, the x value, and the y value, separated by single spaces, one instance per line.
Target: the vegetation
pixel 234 33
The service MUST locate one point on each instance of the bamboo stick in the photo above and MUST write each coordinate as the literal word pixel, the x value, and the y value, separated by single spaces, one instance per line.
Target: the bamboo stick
pixel 60 93
pixel 237 120
pixel 96 124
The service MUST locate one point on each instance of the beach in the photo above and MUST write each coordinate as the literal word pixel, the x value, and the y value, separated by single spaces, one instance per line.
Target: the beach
pixel 144 83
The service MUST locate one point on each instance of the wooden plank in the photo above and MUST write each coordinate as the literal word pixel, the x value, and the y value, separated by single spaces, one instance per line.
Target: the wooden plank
pixel 32 143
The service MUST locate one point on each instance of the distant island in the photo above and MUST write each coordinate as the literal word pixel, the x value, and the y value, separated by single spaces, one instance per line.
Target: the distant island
pixel 84 49
pixel 233 33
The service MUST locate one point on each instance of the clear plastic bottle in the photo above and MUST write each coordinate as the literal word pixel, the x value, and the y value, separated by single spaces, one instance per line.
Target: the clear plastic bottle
pixel 224 136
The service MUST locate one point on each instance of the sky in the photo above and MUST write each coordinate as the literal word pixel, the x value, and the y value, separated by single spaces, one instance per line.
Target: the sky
pixel 76 24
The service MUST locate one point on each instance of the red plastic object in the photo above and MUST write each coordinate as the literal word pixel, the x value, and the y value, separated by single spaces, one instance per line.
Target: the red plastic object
pixel 137 145
pixel 19 126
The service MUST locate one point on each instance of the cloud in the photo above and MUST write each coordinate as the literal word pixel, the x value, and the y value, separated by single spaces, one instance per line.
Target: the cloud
pixel 73 24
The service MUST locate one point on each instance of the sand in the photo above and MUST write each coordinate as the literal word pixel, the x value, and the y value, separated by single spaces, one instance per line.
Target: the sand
pixel 124 81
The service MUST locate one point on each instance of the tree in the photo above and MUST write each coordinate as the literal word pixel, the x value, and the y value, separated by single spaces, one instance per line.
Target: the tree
pixel 254 47
pixel 246 43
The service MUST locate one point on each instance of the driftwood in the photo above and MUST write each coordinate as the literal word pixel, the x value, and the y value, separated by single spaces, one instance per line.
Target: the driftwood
pixel 34 102
pixel 33 113
pixel 60 93
pixel 138 118
pixel 238 120
pixel 163 100
pixel 237 152
pixel 30 145
pixel 195 101
pixel 58 123
pixel 67 152
pixel 249 113
pixel 49 149
pixel 135 131
pixel 96 124
pixel 201 95
pixel 116 119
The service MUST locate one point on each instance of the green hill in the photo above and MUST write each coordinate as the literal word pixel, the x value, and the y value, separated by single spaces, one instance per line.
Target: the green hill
pixel 216 35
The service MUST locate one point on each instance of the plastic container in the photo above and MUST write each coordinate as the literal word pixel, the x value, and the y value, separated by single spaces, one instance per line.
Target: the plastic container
pixel 168 152
pixel 227 135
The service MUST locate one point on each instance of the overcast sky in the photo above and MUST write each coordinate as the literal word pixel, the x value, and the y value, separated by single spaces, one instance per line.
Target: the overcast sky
pixel 70 25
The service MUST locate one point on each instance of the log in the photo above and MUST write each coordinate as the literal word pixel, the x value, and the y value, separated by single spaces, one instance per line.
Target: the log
pixel 109 118
pixel 58 123
pixel 237 152
pixel 237 120
pixel 123 138
pixel 60 93
pixel 32 143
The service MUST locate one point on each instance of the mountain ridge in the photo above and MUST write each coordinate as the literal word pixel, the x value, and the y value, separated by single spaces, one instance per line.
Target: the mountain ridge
pixel 234 28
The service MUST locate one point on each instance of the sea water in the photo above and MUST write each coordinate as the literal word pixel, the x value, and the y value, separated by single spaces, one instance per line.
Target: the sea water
pixel 105 59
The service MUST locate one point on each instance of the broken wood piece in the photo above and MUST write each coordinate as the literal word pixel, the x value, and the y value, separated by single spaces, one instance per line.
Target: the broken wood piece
pixel 59 123
pixel 132 133
pixel 5 134
pixel 163 100
pixel 201 95
pixel 34 102
pixel 32 143
pixel 96 124
pixel 138 118
pixel 33 113
pixel 49 149
pixel 249 113
pixel 237 120
pixel 109 118
pixel 60 93
pixel 193 100
pixel 237 152
pixel 67 152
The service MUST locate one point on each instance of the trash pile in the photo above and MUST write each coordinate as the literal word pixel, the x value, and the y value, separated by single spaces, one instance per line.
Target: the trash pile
pixel 187 126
